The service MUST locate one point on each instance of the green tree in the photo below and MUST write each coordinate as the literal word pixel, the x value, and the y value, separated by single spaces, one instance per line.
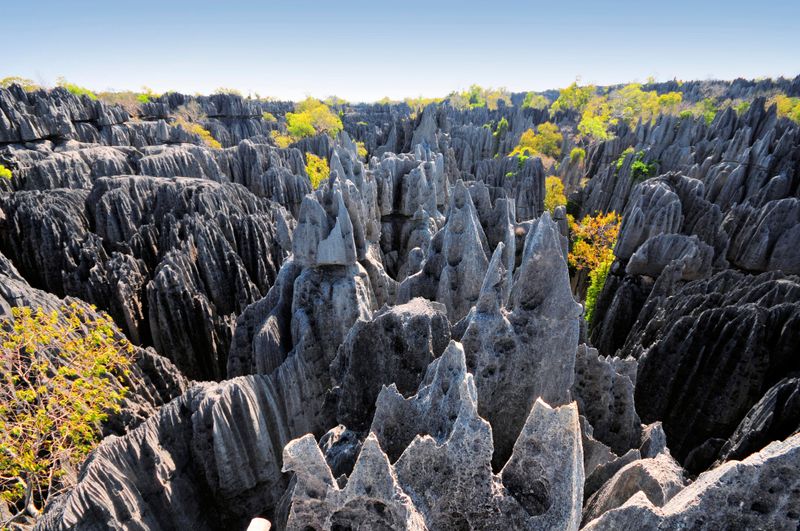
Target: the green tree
pixel 534 101
pixel 573 97
pixel 27 85
pixel 597 279
pixel 577 155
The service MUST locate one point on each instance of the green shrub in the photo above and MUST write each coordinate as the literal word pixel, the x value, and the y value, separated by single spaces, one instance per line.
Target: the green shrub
pixel 534 101
pixel 621 159
pixel 76 90
pixel 27 85
pixel 317 169
pixel 742 107
pixel 577 155
pixel 573 97
pixel 57 385
pixel 685 114
pixel 269 117
pixel 5 173
pixel 597 279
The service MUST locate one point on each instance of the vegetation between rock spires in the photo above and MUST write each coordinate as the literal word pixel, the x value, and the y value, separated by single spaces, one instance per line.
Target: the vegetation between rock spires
pixel 597 279
pixel 545 141
pixel 56 370
pixel 199 130
pixel 577 155
pixel 312 117
pixel 5 173
pixel 188 116
pixel 477 96
pixel 362 150
pixel 593 240
pixel 554 193
pixel 317 169
pixel 28 85
pixel 535 101
pixel 628 104
pixel 786 106
pixel 268 117
pixel 76 90
pixel 641 170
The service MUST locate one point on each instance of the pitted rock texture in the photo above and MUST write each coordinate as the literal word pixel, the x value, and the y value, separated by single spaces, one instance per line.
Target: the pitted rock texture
pixel 759 492
pixel 438 431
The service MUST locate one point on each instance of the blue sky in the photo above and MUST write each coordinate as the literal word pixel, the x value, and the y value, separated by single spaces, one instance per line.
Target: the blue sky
pixel 363 50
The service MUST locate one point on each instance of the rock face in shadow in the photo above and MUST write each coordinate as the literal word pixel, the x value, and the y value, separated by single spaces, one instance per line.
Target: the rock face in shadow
pixel 708 352
pixel 172 260
pixel 603 389
pixel 395 346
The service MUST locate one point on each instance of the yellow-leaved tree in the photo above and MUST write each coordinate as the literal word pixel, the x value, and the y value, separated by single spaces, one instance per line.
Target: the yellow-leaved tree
pixel 59 374
pixel 554 193
pixel 317 169
pixel 593 240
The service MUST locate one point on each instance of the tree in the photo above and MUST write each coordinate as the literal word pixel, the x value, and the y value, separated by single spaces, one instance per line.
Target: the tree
pixel 317 169
pixel 534 101
pixel 573 97
pixel 547 142
pixel 554 193
pixel 58 383
pixel 28 85
pixel 312 117
pixel 577 155
pixel 593 240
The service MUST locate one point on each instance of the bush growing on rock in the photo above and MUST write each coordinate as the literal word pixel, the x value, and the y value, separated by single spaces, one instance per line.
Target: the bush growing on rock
pixel 28 85
pixel 269 117
pixel 597 279
pixel 534 101
pixel 188 117
pixel 55 392
pixel 786 106
pixel 362 150
pixel 5 173
pixel 554 193
pixel 76 90
pixel 312 117
pixel 577 155
pixel 317 169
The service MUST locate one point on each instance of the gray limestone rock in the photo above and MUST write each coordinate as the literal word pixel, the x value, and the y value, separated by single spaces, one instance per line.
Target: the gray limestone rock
pixel 759 492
